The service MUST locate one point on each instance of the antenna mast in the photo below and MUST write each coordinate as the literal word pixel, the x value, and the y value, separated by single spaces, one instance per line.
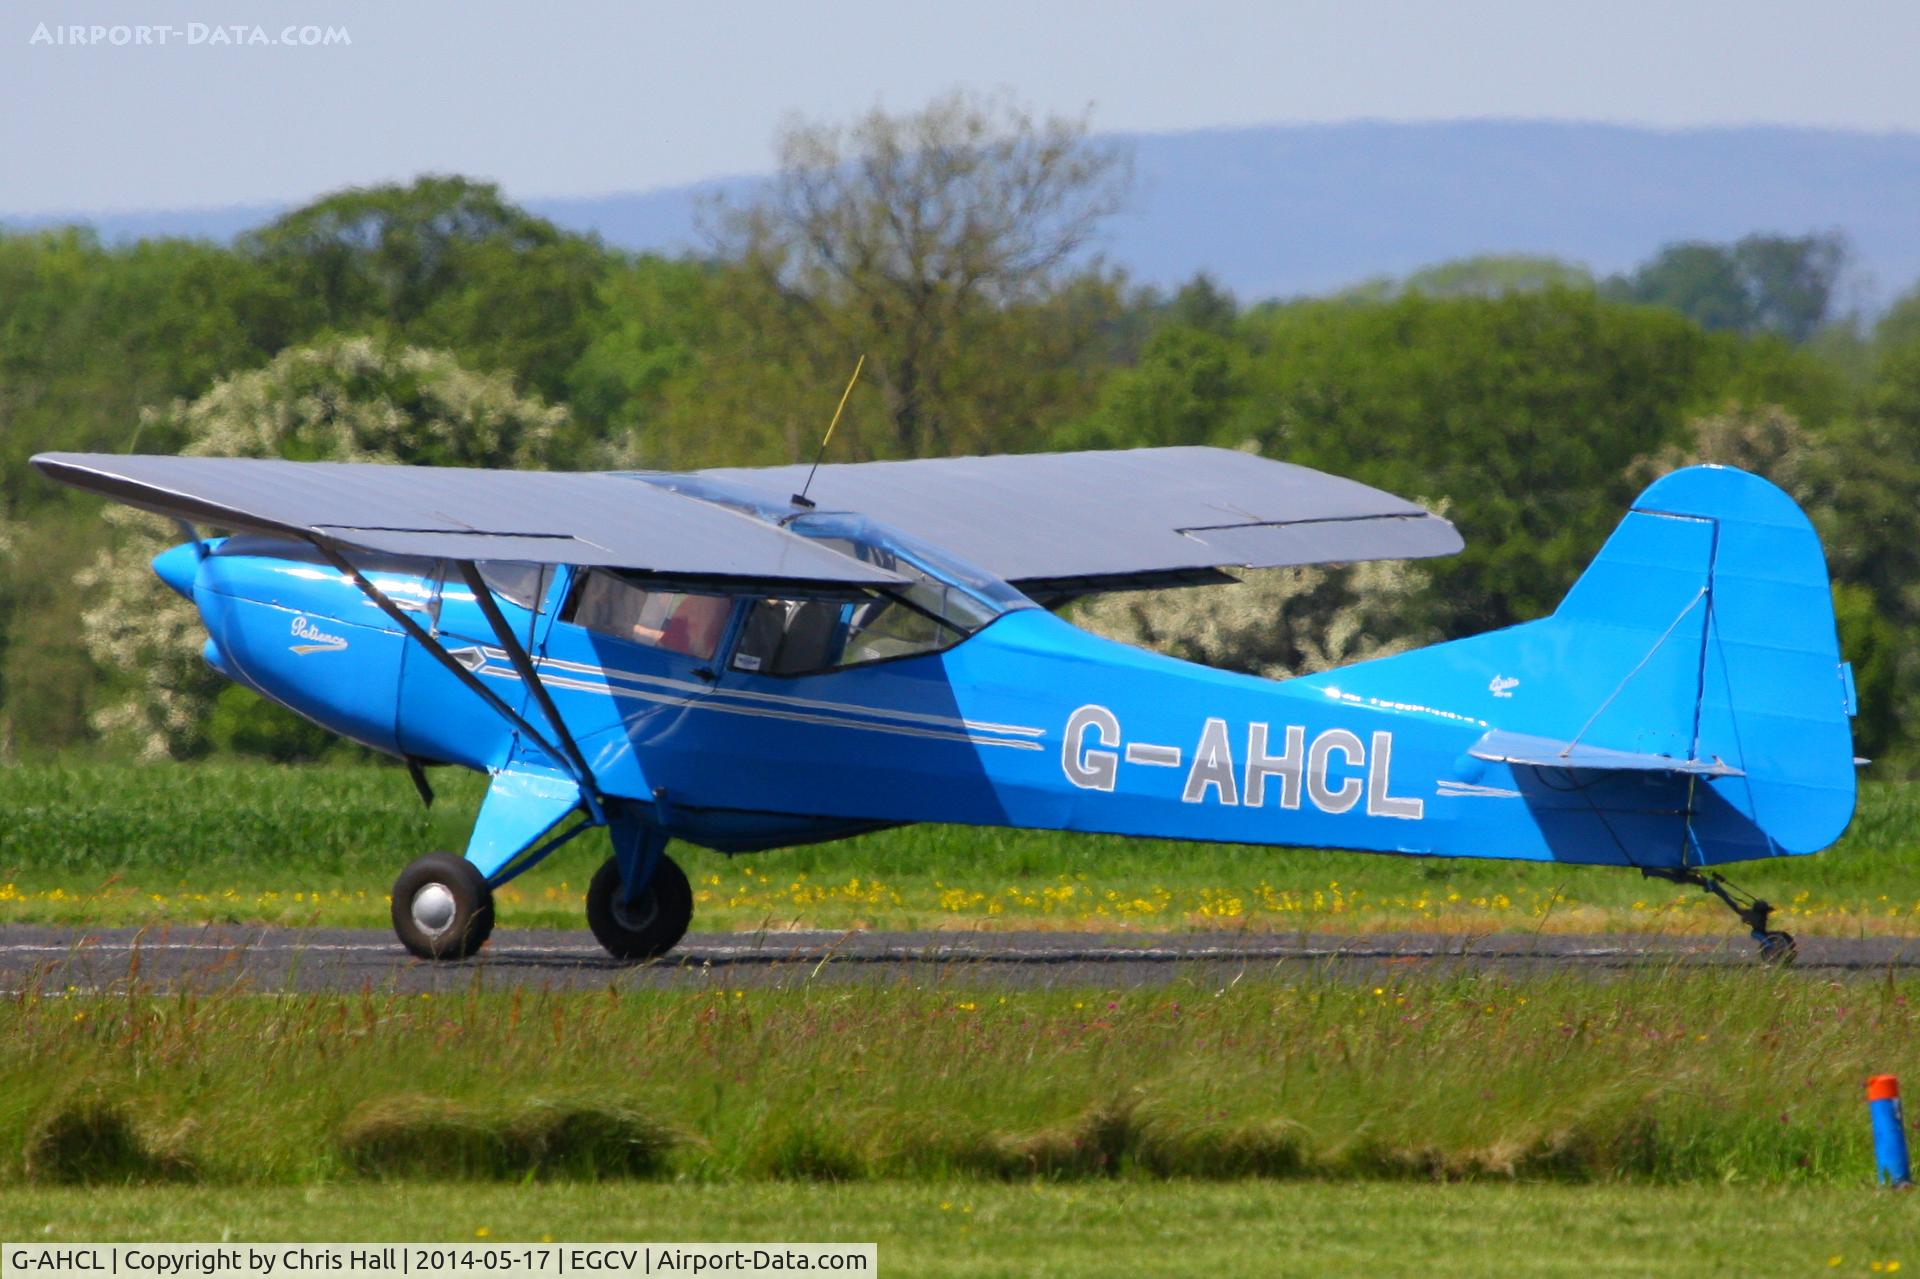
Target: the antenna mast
pixel 800 499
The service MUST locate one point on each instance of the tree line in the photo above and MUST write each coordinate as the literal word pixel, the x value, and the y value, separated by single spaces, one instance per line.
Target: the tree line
pixel 438 322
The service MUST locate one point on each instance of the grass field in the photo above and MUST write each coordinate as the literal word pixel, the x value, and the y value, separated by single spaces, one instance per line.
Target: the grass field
pixel 1672 1122
pixel 1233 1231
pixel 1677 1076
pixel 260 843
pixel 1666 1121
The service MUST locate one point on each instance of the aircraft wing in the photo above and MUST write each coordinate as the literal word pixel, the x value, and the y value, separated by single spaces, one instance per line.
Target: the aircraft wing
pixel 1071 523
pixel 540 517
pixel 1054 524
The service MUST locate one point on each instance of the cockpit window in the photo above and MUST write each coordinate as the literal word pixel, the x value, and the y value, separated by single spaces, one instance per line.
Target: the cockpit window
pixel 930 567
pixel 678 621
pixel 940 603
pixel 522 584
pixel 800 637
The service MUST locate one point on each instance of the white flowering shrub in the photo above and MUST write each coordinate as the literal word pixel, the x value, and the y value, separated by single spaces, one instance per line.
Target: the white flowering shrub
pixel 1766 440
pixel 1276 622
pixel 351 399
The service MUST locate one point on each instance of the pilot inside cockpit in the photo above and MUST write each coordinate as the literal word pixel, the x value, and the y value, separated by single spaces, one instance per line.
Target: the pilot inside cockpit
pixel 677 621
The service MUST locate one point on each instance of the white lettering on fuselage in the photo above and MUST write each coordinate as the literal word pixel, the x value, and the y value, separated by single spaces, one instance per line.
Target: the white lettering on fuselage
pixel 1089 766
pixel 317 640
pixel 1336 772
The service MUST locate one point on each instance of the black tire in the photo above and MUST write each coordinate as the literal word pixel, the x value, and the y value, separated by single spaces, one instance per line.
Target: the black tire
pixel 1778 948
pixel 442 907
pixel 648 929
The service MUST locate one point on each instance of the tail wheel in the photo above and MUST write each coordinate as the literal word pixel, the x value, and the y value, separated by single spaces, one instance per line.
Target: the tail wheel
pixel 442 907
pixel 648 926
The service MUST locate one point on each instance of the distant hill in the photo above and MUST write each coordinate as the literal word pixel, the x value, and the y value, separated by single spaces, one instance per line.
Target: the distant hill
pixel 1289 209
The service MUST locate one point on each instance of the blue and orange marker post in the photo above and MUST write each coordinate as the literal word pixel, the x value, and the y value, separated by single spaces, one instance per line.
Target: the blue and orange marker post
pixel 1889 1132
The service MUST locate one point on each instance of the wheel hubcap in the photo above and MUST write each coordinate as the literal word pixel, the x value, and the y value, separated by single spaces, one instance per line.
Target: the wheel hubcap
pixel 433 909
pixel 635 916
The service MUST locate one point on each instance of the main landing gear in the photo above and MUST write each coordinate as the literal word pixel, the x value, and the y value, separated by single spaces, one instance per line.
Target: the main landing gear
pixel 1775 947
pixel 442 907
pixel 642 925
pixel 638 905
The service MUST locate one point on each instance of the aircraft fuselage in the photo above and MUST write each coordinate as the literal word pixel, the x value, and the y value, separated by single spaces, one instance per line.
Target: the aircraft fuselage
pixel 1029 722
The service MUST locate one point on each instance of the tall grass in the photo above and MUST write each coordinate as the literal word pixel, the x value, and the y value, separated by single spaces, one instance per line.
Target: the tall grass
pixel 1670 1076
pixel 256 842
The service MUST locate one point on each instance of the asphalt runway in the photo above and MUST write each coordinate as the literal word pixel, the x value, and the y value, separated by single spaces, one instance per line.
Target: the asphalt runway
pixel 266 960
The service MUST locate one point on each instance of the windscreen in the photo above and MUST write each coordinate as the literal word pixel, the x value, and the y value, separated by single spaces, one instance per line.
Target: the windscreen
pixel 942 602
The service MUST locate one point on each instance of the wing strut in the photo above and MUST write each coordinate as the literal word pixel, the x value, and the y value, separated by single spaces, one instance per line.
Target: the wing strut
pixel 454 668
pixel 517 653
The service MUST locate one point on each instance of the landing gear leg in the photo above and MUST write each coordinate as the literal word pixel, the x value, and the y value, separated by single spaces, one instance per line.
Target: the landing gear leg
pixel 639 903
pixel 1775 947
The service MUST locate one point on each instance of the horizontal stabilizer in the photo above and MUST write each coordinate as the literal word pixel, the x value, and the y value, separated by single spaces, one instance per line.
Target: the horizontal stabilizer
pixel 1545 752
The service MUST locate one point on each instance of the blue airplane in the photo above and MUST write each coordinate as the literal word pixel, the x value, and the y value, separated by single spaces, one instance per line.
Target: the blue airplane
pixel 718 658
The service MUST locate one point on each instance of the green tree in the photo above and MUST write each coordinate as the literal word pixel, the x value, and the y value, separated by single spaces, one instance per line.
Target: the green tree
pixel 1697 279
pixel 1899 328
pixel 194 311
pixel 346 400
pixel 1201 303
pixel 1862 489
pixel 442 261
pixel 89 334
pixel 1485 275
pixel 6 628
pixel 527 312
pixel 390 252
pixel 905 237
pixel 1751 371
pixel 1189 387
pixel 653 317
pixel 50 683
pixel 1760 284
pixel 1884 674
pixel 1871 481
pixel 1791 280
pixel 1492 275
pixel 1522 411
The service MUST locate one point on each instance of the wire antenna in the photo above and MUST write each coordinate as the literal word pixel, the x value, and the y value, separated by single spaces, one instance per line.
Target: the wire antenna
pixel 800 499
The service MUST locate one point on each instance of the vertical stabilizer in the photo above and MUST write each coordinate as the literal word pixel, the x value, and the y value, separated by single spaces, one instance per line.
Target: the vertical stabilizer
pixel 1700 642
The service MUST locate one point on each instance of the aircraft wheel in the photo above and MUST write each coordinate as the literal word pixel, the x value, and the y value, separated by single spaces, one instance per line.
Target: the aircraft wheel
pixel 1778 948
pixel 650 927
pixel 442 907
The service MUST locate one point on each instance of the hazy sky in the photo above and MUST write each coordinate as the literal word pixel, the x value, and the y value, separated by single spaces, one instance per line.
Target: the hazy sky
pixel 557 98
